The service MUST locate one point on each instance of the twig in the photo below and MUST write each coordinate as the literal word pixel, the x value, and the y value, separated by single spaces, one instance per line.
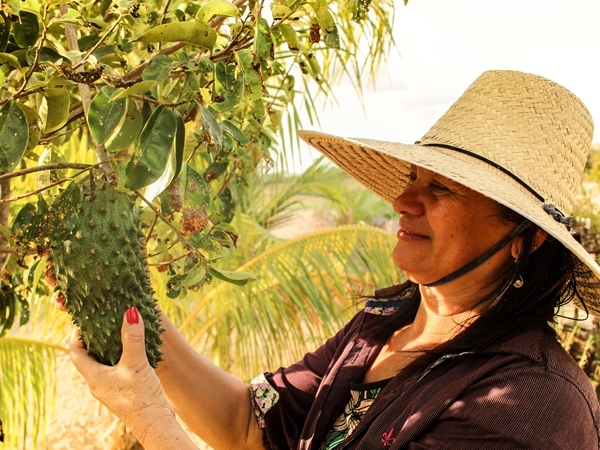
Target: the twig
pixel 18 251
pixel 168 223
pixel 53 166
pixel 166 263
pixel 165 11
pixel 24 93
pixel 4 213
pixel 100 41
pixel 151 228
pixel 38 191
pixel 50 137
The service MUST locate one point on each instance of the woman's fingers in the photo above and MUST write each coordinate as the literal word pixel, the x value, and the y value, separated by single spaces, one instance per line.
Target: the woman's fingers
pixel 51 281
pixel 49 275
pixel 83 362
pixel 58 303
pixel 132 337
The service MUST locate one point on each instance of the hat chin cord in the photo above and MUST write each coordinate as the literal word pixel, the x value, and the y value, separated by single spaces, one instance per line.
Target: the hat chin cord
pixel 478 261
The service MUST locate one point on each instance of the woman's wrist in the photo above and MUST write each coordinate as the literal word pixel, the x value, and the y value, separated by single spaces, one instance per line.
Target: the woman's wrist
pixel 156 427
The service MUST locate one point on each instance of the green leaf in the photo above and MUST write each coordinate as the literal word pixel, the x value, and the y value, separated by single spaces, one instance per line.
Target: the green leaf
pixel 27 32
pixel 211 126
pixel 263 45
pixel 179 145
pixel 54 110
pixel 128 132
pixel 152 149
pixel 332 39
pixel 50 155
pixel 237 278
pixel 105 116
pixel 290 36
pixel 158 69
pixel 214 8
pixel 196 193
pixel 191 86
pixel 327 24
pixel 196 201
pixel 190 278
pixel 215 170
pixel 4 31
pixel 196 33
pixel 229 87
pixel 227 206
pixel 362 10
pixel 235 132
pixel 47 54
pixel 254 85
pixel 33 123
pixel 63 214
pixel 279 11
pixel 11 60
pixel 139 88
pixel 24 227
pixel 14 135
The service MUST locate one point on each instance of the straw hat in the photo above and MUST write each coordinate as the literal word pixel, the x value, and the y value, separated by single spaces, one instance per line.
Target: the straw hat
pixel 520 139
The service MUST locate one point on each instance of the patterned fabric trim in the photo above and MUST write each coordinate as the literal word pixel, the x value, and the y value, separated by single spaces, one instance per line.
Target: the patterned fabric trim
pixel 263 397
pixel 388 306
pixel 383 307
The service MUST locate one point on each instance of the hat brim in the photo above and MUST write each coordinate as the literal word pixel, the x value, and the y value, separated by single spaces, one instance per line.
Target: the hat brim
pixel 383 167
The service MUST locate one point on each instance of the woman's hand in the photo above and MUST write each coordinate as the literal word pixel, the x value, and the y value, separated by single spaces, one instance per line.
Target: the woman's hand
pixel 131 389
pixel 51 280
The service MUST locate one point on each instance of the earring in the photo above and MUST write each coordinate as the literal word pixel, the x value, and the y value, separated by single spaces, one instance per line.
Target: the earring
pixel 518 284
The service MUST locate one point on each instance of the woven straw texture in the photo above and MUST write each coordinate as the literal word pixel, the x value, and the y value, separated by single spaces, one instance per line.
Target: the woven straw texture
pixel 530 126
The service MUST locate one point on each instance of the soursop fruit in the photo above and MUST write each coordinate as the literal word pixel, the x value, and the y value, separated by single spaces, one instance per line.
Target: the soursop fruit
pixel 101 270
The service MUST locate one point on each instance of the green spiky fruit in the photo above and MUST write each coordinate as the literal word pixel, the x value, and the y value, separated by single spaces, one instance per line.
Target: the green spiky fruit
pixel 101 269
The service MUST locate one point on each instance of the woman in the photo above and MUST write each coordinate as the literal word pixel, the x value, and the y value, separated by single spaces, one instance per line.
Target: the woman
pixel 460 356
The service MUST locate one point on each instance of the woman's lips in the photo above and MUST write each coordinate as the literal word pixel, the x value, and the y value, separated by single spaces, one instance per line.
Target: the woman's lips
pixel 408 234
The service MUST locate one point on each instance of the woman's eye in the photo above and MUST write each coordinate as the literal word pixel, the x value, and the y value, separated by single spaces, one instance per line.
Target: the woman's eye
pixel 439 187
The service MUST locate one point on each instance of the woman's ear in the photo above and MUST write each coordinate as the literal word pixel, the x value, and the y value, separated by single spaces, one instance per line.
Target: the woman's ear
pixel 515 247
pixel 538 239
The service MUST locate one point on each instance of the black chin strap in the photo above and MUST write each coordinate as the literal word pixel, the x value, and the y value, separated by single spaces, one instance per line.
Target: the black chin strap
pixel 470 266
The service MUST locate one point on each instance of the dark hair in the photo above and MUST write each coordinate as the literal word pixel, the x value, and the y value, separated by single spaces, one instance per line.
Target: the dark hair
pixel 549 282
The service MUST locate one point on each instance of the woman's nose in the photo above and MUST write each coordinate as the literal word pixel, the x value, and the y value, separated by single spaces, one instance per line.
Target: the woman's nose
pixel 409 202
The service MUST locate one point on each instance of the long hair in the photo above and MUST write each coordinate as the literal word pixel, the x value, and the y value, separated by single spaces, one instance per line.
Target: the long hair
pixel 548 276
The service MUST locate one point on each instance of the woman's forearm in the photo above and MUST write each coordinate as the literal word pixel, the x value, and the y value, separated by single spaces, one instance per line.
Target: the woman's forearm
pixel 215 405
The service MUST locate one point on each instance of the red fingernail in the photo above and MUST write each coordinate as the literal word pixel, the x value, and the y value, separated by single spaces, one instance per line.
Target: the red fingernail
pixel 60 299
pixel 133 316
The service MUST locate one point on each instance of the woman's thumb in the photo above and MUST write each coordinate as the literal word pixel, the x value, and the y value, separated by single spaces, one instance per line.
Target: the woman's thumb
pixel 132 337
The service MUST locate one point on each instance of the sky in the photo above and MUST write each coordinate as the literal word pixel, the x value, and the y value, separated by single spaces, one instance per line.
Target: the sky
pixel 443 45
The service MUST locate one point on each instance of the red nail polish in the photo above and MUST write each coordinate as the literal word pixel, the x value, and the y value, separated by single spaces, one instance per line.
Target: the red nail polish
pixel 60 299
pixel 133 316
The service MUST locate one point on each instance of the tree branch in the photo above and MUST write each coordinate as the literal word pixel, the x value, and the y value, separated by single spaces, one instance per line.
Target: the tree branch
pixel 53 166
pixel 84 91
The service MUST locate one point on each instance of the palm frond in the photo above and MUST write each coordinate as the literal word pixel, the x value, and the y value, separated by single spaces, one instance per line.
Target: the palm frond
pixel 27 390
pixel 307 289
pixel 274 200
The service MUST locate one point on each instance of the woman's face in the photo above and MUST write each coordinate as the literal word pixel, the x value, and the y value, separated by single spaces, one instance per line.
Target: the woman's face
pixel 445 225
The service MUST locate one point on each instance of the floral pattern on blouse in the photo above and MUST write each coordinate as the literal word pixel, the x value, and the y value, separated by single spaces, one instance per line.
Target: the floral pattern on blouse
pixel 362 397
pixel 263 396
